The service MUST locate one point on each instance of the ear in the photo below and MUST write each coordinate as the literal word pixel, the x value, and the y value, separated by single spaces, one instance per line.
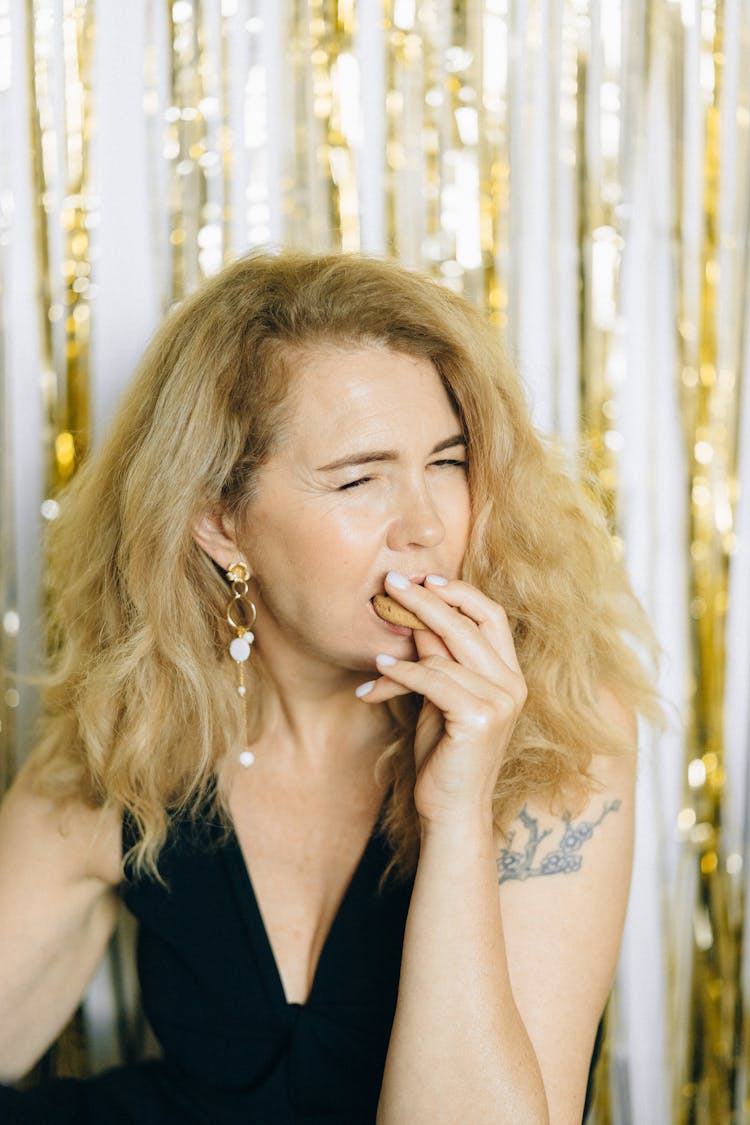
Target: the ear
pixel 214 533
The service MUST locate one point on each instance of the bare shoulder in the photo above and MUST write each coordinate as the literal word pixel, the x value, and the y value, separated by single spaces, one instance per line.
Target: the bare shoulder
pixel 548 839
pixel 77 840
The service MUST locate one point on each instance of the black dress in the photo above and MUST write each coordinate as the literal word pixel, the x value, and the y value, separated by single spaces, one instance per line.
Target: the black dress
pixel 235 1052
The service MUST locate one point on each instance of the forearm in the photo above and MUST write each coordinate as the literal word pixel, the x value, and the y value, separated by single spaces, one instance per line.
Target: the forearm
pixel 42 981
pixel 458 1043
pixel 58 909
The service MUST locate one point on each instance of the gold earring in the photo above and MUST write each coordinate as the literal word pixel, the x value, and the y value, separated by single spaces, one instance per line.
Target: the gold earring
pixel 241 645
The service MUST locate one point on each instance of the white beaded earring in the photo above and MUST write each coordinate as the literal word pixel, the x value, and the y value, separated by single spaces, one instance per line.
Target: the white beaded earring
pixel 240 647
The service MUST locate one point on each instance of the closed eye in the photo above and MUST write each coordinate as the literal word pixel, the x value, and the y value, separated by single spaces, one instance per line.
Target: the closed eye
pixel 444 462
pixel 354 483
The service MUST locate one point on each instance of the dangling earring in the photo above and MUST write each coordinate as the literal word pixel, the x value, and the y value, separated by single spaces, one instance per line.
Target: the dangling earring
pixel 241 645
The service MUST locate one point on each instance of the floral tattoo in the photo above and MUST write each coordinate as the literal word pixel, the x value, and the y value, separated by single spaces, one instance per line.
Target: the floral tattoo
pixel 566 856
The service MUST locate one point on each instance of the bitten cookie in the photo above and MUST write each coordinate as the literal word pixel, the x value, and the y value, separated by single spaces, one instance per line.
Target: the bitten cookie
pixel 394 613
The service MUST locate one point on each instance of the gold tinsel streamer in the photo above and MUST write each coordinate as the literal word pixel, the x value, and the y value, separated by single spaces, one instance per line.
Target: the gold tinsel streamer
pixel 601 196
pixel 403 105
pixel 197 146
pixel 706 1076
pixel 595 38
pixel 440 184
pixel 335 97
pixel 63 224
pixel 494 163
pixel 65 214
pixel 320 154
pixel 255 130
pixel 452 207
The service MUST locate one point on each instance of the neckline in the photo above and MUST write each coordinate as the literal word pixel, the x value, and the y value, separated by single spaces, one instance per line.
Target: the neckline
pixel 258 935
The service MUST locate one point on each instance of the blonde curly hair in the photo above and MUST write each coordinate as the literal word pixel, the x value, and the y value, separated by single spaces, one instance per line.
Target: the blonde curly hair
pixel 140 711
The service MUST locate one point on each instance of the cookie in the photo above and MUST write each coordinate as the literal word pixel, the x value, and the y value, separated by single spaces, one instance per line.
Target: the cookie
pixel 394 613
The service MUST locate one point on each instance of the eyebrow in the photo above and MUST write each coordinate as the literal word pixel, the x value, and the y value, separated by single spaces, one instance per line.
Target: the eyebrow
pixel 367 457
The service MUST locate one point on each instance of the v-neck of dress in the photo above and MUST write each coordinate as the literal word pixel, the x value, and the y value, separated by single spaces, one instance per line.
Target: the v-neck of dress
pixel 240 877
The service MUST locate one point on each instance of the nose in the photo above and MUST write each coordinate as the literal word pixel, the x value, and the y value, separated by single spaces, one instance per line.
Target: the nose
pixel 416 521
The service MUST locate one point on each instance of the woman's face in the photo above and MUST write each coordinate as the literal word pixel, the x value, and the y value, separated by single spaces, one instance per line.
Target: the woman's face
pixel 371 477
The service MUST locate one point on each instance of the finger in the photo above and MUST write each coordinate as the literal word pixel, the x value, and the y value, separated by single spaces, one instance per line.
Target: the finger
pixel 469 641
pixel 427 644
pixel 454 688
pixel 380 690
pixel 491 618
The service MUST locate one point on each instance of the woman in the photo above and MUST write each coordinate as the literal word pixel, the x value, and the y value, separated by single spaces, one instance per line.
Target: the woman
pixel 381 871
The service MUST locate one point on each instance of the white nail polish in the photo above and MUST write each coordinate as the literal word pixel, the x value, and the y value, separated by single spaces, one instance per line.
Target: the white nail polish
pixel 364 689
pixel 398 580
pixel 436 580
pixel 385 659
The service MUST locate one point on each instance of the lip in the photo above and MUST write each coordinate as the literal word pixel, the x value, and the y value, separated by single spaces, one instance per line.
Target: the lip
pixel 415 579
pixel 397 630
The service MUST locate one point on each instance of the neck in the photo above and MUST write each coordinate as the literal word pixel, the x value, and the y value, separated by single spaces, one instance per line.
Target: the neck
pixel 313 715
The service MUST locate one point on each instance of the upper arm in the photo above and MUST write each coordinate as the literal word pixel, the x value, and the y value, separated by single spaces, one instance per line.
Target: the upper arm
pixel 563 899
pixel 58 904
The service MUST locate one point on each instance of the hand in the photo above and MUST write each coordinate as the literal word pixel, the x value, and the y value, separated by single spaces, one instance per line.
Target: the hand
pixel 473 689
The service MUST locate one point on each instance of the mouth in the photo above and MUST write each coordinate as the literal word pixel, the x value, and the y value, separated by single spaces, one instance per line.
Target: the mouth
pixel 415 579
pixel 394 615
pixel 391 626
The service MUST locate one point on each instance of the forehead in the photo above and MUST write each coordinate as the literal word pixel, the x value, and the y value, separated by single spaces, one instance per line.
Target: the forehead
pixel 365 391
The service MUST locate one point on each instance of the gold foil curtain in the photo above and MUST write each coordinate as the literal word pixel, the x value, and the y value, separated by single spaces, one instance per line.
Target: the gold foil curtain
pixel 318 101
pixel 192 134
pixel 60 56
pixel 503 123
pixel 709 378
pixel 434 108
pixel 604 156
pixel 320 107
pixel 494 163
pixel 335 124
pixel 66 212
pixel 58 38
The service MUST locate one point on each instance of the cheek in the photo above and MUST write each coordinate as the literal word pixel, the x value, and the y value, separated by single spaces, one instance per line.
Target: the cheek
pixel 353 525
pixel 458 511
pixel 314 550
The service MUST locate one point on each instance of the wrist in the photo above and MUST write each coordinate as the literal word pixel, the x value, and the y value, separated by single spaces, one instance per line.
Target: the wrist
pixel 477 824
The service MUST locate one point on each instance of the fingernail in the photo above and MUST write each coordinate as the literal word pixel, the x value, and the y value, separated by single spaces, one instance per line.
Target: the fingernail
pixel 384 658
pixel 398 580
pixel 364 689
pixel 436 580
